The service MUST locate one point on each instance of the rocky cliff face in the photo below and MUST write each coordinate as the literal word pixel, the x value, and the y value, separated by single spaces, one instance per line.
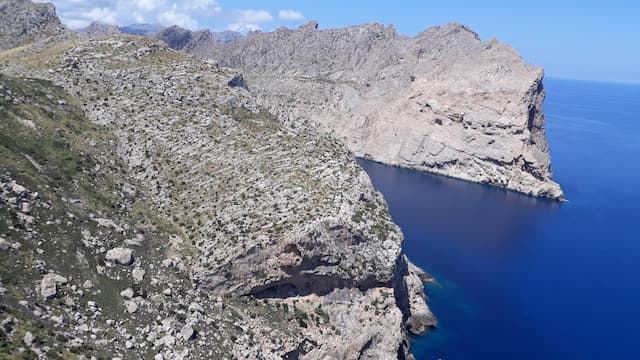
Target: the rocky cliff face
pixel 149 209
pixel 443 101
pixel 24 22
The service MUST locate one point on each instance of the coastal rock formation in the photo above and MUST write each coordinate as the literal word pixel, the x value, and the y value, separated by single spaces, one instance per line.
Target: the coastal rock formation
pixel 24 22
pixel 184 218
pixel 443 101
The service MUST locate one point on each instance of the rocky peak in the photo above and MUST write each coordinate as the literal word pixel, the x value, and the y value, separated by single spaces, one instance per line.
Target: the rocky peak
pixel 311 25
pixel 99 29
pixel 175 36
pixel 24 22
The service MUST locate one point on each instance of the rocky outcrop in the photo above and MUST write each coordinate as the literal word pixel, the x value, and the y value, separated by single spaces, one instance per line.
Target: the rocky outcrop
pixel 98 29
pixel 274 230
pixel 24 22
pixel 443 101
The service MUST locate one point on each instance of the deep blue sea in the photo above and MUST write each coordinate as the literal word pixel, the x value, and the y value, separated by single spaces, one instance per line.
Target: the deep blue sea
pixel 522 278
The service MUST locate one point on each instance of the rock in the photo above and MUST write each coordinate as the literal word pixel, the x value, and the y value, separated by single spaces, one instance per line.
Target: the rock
pixel 87 284
pixel 120 255
pixel 166 292
pixel 131 306
pixel 129 345
pixel 49 285
pixel 76 342
pixel 195 307
pixel 238 81
pixel 168 263
pixel 127 293
pixel 4 244
pixel 418 316
pixel 168 341
pixel 28 338
pixel 24 207
pixel 138 274
pixel 187 333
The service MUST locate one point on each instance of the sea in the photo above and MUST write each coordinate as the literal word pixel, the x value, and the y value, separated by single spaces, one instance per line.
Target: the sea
pixel 524 278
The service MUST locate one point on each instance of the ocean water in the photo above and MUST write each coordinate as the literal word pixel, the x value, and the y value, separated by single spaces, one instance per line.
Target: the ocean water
pixel 523 278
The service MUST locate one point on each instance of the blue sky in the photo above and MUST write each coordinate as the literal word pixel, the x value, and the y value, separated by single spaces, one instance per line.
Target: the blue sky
pixel 591 40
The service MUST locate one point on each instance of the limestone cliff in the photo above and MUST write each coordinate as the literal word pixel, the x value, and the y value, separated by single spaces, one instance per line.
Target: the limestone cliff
pixel 443 101
pixel 149 209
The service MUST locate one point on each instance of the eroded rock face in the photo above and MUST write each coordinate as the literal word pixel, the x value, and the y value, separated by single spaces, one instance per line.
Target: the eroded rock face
pixel 25 22
pixel 444 101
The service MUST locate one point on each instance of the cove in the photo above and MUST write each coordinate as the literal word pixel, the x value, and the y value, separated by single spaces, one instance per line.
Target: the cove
pixel 525 278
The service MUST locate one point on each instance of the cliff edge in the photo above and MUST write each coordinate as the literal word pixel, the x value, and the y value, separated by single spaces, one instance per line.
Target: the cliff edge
pixel 443 101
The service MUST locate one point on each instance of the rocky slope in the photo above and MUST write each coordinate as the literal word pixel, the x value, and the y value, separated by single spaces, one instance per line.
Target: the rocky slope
pixel 443 101
pixel 24 22
pixel 148 209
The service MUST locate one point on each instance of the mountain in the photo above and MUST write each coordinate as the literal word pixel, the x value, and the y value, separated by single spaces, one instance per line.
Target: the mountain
pixel 25 22
pixel 149 209
pixel 98 29
pixel 443 101
pixel 142 29
pixel 181 39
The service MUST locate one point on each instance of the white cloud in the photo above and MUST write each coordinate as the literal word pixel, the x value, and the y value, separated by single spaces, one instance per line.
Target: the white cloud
pixel 101 14
pixel 253 16
pixel 243 27
pixel 190 14
pixel 291 15
pixel 79 13
pixel 173 17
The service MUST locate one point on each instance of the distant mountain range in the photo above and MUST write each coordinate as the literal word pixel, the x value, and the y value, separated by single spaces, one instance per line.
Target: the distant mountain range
pixel 175 36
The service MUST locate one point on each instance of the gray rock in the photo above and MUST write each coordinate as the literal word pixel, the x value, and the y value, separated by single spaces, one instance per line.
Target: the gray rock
pixel 131 306
pixel 120 255
pixel 28 338
pixel 49 285
pixel 127 293
pixel 138 274
pixel 188 333
pixel 4 244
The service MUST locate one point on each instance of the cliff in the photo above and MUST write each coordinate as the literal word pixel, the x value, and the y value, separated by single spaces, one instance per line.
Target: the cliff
pixel 149 209
pixel 443 101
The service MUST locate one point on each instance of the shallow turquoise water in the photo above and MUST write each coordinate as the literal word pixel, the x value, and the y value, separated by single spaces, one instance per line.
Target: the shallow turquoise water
pixel 533 279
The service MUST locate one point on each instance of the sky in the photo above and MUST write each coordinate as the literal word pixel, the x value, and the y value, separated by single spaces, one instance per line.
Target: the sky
pixel 587 40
